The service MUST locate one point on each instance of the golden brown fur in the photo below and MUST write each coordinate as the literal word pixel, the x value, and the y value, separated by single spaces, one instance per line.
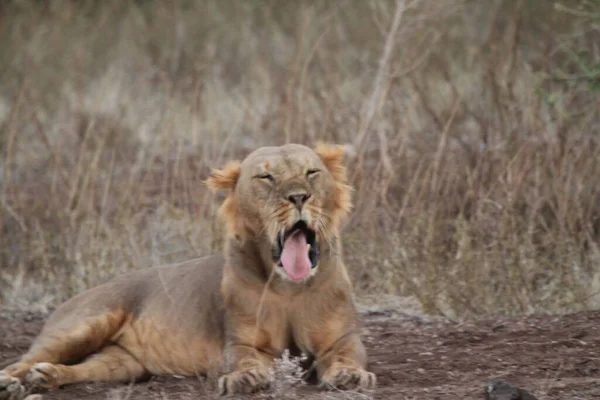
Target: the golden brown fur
pixel 238 311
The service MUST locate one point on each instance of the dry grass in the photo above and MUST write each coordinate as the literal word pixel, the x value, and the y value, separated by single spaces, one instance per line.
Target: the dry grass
pixel 476 155
pixel 288 375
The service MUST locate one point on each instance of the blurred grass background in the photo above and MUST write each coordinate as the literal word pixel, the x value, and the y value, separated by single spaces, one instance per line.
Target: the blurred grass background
pixel 475 139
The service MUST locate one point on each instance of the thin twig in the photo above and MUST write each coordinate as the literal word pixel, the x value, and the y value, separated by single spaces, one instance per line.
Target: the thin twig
pixel 381 81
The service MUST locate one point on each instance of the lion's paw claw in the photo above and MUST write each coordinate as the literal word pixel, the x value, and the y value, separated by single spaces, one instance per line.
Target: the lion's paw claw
pixel 11 388
pixel 246 381
pixel 42 375
pixel 349 378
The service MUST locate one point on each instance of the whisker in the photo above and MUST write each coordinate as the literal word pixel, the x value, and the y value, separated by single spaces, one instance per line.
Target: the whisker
pixel 276 217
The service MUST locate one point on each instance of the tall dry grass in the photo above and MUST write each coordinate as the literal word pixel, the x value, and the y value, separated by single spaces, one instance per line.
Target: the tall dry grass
pixel 474 128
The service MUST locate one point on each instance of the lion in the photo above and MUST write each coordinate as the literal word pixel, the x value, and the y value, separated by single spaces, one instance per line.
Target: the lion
pixel 279 284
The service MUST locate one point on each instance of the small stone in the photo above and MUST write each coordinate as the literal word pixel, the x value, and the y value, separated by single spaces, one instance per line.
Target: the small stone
pixel 499 390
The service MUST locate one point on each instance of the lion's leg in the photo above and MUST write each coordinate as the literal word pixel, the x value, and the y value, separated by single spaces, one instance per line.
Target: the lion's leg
pixel 251 372
pixel 57 346
pixel 343 365
pixel 112 363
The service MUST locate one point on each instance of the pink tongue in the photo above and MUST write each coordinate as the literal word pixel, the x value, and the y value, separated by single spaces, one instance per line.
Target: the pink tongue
pixel 294 256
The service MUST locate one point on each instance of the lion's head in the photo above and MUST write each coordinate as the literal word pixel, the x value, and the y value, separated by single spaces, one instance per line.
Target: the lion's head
pixel 291 196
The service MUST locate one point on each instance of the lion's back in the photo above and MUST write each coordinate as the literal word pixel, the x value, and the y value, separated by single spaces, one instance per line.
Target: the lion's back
pixel 185 294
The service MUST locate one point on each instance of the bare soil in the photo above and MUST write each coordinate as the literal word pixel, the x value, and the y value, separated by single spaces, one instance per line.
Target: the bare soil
pixel 552 357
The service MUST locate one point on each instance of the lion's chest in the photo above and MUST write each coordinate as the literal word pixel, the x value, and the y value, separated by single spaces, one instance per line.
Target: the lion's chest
pixel 286 324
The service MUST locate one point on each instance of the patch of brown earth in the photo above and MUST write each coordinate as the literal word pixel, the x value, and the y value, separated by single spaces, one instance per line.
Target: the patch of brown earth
pixel 552 357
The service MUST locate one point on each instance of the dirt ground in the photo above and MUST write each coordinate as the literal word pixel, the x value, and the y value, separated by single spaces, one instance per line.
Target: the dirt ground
pixel 553 357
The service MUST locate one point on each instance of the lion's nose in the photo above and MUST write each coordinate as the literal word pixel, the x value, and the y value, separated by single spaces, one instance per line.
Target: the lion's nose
pixel 298 199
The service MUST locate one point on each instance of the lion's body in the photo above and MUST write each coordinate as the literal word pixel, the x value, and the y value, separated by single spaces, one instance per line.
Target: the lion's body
pixel 145 306
pixel 168 319
pixel 234 312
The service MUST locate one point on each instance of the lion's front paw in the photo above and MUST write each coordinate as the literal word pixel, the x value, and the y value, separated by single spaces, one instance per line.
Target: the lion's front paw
pixel 11 388
pixel 44 375
pixel 347 378
pixel 246 381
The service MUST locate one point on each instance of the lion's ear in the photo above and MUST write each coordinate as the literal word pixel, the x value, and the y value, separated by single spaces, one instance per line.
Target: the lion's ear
pixel 333 156
pixel 225 178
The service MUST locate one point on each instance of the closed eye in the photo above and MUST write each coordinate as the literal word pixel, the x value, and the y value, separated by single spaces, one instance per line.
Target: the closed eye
pixel 265 177
pixel 312 172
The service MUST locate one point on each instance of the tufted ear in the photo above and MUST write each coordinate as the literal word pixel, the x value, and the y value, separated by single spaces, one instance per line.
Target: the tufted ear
pixel 225 178
pixel 333 156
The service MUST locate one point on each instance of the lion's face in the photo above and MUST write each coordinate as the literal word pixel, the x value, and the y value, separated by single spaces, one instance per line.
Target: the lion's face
pixel 291 196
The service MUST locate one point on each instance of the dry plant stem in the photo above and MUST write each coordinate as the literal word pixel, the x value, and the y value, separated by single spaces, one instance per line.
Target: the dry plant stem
pixel 379 86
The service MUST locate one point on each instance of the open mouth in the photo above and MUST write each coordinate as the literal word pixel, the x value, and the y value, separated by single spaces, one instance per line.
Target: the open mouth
pixel 297 251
